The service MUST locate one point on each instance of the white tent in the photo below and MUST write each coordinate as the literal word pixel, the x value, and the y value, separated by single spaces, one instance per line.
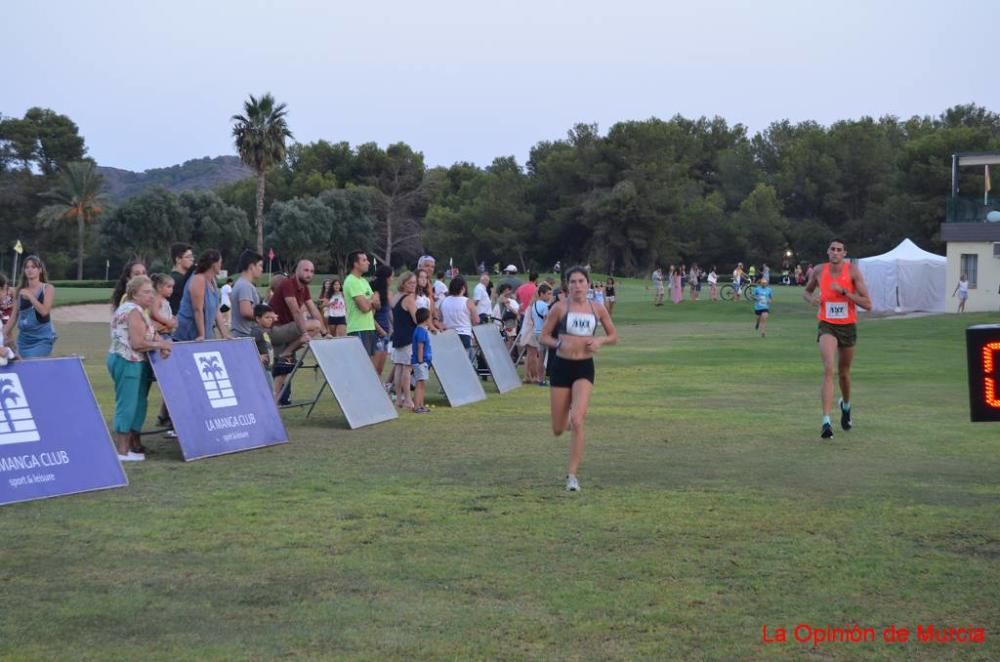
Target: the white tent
pixel 905 279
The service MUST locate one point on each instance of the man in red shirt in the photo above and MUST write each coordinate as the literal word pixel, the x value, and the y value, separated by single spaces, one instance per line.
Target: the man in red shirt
pixel 526 292
pixel 292 301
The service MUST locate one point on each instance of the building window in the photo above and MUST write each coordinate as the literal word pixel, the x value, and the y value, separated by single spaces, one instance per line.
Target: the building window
pixel 970 267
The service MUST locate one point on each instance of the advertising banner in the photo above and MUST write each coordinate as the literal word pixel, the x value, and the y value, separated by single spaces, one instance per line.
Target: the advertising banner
pixel 218 397
pixel 358 390
pixel 454 370
pixel 53 438
pixel 497 357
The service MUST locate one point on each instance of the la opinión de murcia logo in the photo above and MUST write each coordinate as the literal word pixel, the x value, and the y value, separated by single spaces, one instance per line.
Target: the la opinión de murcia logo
pixel 17 426
pixel 215 379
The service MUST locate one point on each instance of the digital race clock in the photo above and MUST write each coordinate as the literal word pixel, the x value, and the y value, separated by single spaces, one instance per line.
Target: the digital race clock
pixel 982 344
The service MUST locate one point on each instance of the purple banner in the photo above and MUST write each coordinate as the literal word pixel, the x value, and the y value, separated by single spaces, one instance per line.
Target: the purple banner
pixel 219 398
pixel 53 438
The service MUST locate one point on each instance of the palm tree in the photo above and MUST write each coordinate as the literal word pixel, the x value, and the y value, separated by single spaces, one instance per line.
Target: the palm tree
pixel 210 366
pixel 260 135
pixel 76 197
pixel 7 392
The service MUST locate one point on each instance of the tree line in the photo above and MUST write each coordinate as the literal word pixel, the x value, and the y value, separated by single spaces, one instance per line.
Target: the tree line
pixel 645 193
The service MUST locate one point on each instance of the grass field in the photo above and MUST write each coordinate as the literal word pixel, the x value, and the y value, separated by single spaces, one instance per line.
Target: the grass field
pixel 709 509
pixel 67 296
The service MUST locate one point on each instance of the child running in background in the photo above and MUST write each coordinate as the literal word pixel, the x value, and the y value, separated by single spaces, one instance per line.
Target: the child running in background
pixel 421 359
pixel 762 297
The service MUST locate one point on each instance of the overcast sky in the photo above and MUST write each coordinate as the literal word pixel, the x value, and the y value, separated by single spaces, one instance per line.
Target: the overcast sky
pixel 154 83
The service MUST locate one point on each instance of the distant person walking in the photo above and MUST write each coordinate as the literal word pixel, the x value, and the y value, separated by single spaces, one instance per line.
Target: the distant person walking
pixel 658 289
pixel 677 285
pixel 713 285
pixel 694 282
pixel 962 290
pixel 841 290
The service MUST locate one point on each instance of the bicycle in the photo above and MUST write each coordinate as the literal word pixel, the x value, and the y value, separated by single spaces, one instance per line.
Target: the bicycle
pixel 728 291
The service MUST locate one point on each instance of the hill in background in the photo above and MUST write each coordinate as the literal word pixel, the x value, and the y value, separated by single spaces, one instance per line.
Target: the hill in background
pixel 195 175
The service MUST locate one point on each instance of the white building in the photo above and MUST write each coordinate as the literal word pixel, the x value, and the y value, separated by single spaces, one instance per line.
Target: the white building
pixel 973 241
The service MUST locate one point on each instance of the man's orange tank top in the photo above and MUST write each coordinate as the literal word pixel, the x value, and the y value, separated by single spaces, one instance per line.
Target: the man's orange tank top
pixel 836 308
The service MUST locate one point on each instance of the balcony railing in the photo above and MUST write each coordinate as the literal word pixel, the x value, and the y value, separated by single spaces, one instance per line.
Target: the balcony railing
pixel 970 208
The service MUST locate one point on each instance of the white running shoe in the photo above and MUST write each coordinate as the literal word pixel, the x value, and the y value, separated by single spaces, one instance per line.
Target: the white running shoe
pixel 572 484
pixel 131 457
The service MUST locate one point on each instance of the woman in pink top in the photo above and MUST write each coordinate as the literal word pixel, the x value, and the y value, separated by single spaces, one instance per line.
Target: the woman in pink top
pixel 676 289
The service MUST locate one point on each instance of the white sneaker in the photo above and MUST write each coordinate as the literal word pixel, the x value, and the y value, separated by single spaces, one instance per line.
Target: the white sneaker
pixel 572 484
pixel 131 457
pixel 170 433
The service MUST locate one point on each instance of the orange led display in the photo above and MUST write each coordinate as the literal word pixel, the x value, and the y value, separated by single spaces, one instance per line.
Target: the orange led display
pixel 983 352
pixel 989 367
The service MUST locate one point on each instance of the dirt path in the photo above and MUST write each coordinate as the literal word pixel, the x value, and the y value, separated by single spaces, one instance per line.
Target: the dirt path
pixel 86 312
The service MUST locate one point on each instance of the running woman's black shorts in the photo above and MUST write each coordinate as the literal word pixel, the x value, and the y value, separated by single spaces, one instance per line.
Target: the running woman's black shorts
pixel 563 372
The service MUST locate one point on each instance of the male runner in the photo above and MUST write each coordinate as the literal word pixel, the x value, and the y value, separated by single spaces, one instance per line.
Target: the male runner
pixel 841 289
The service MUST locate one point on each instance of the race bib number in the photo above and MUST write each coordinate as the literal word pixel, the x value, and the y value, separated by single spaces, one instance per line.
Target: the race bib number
pixel 580 324
pixel 836 310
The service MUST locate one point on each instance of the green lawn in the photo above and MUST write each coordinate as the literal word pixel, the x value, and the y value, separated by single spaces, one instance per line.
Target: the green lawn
pixel 66 296
pixel 709 508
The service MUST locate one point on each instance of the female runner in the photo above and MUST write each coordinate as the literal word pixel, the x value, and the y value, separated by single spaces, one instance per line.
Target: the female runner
pixel 570 329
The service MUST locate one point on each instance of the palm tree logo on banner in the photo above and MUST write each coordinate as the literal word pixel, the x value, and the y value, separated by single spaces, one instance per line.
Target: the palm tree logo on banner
pixel 16 423
pixel 215 379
